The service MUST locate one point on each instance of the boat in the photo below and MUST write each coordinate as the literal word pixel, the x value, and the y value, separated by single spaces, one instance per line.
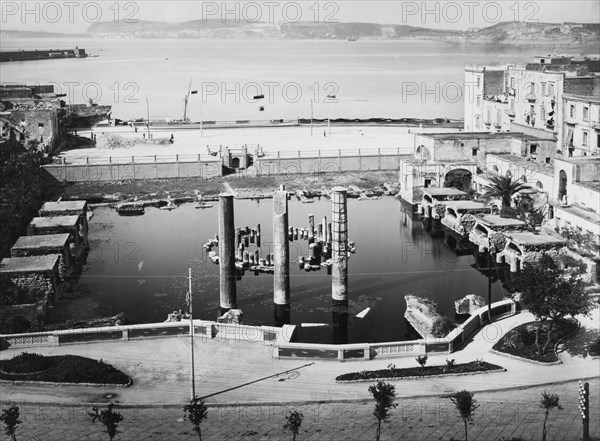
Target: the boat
pixel 130 209
pixel 202 205
pixel 170 205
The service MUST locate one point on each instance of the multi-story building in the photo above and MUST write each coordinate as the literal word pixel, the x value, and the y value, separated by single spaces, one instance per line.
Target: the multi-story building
pixel 581 126
pixel 526 99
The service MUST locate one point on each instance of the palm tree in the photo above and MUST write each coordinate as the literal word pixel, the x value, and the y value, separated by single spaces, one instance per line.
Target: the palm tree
pixel 503 187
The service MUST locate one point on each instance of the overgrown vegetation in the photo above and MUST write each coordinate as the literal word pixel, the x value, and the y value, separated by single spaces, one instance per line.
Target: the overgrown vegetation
pixel 443 326
pixel 551 294
pixel 392 372
pixel 23 188
pixel 60 369
pixel 520 341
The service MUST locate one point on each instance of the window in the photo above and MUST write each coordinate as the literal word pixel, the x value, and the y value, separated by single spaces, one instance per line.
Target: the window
pixel 585 139
pixel 478 82
pixel 551 89
pixel 477 123
pixel 478 101
pixel 532 88
pixel 512 82
pixel 544 89
pixel 474 152
pixel 427 183
pixel 533 149
pixel 586 113
pixel 572 111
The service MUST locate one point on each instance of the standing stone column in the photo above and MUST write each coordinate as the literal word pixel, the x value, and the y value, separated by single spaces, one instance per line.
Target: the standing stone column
pixel 281 281
pixel 227 253
pixel 339 245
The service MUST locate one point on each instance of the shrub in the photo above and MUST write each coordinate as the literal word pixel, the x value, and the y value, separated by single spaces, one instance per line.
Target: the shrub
pixel 442 327
pixel 422 360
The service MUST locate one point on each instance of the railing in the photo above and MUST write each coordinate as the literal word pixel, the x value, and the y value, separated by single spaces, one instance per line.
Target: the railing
pixel 367 351
pixel 138 159
pixel 345 152
pixel 203 329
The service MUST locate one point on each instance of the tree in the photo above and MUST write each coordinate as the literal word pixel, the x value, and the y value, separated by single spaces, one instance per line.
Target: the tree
pixel 466 405
pixel 10 418
pixel 294 421
pixel 109 418
pixel 551 295
pixel 548 402
pixel 442 326
pixel 384 395
pixel 196 412
pixel 503 187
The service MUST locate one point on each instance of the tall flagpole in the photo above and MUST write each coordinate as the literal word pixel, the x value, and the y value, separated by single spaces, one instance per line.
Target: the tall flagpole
pixel 191 333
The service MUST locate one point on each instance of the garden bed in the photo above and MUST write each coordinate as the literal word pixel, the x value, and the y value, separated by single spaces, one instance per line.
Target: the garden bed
pixel 520 341
pixel 60 369
pixel 416 372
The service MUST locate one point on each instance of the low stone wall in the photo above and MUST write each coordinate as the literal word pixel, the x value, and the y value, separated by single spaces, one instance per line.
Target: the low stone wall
pixel 133 171
pixel 203 330
pixel 368 351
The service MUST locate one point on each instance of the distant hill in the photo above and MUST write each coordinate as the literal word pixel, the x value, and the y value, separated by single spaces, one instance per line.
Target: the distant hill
pixel 504 31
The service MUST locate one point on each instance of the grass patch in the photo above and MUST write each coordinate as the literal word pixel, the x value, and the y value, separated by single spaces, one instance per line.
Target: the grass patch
pixel 60 369
pixel 520 341
pixel 462 368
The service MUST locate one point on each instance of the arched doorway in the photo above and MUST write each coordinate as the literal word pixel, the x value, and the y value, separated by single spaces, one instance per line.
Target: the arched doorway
pixel 235 162
pixel 459 178
pixel 562 185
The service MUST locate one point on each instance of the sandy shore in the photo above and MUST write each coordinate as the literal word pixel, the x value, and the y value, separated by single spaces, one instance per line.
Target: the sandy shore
pixel 271 139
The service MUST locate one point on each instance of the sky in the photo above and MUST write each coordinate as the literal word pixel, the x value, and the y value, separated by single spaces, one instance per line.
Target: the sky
pixel 76 16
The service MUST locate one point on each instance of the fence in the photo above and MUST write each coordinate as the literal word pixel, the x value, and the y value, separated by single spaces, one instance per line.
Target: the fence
pixel 203 330
pixel 367 351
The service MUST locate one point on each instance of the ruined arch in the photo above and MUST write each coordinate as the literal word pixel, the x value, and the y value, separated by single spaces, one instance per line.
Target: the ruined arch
pixel 423 153
pixel 459 178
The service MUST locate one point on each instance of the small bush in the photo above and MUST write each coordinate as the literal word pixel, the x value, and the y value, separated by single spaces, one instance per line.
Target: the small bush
pixel 450 363
pixel 442 327
pixel 422 360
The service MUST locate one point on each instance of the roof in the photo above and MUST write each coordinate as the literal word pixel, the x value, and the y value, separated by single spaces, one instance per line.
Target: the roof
pixel 530 238
pixel 29 264
pixel 446 191
pixel 530 166
pixel 64 206
pixel 466 205
pixel 588 215
pixel 494 220
pixel 588 98
pixel 42 241
pixel 54 221
pixel 479 135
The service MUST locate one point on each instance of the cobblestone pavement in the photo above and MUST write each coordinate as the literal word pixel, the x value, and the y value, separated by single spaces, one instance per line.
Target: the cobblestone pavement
pixel 501 416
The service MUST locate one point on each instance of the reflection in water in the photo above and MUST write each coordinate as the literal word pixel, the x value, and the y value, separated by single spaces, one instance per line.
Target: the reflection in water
pixel 396 256
pixel 339 322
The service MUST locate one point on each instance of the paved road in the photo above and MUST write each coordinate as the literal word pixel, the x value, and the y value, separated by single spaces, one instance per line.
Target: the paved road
pixel 241 372
pixel 501 416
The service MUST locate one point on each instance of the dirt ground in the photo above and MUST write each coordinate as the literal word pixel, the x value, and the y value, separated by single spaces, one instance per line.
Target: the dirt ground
pixel 242 186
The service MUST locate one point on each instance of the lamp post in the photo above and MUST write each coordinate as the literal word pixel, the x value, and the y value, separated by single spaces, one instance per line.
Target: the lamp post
pixel 189 302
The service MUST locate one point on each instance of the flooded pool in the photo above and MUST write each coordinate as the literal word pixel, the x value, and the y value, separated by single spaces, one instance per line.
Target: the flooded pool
pixel 138 265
